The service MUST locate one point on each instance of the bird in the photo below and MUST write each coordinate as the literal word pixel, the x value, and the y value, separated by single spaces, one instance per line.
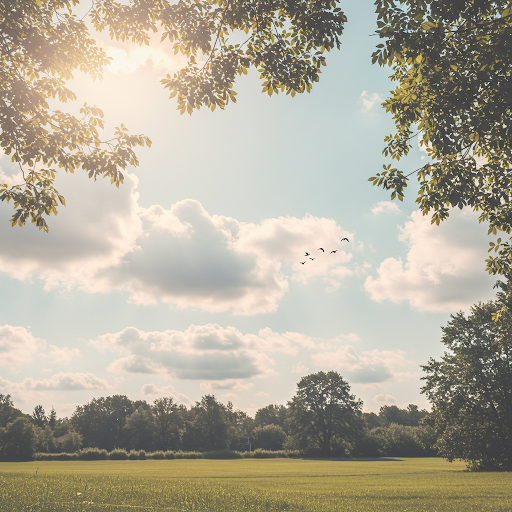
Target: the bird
pixel 334 251
pixel 307 254
pixel 311 259
pixel 320 249
pixel 302 262
pixel 345 239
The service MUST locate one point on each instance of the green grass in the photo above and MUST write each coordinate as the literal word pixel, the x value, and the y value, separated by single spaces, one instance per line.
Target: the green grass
pixel 430 484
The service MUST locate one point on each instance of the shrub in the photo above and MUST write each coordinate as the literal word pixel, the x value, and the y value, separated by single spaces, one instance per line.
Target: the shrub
pixel 118 454
pixel 156 455
pixel 223 454
pixel 56 456
pixel 134 455
pixel 142 455
pixel 169 455
pixel 188 455
pixel 93 454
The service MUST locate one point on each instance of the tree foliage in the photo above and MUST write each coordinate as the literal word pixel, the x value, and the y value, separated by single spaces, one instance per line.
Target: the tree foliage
pixel 452 65
pixel 470 389
pixel 323 413
pixel 43 43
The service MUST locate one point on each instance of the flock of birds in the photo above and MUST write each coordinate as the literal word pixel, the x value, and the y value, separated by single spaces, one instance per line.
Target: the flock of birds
pixel 323 250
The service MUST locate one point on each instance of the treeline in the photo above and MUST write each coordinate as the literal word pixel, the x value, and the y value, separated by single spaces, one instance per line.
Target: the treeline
pixel 116 422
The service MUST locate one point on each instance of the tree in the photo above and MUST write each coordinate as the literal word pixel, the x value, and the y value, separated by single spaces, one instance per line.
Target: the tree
pixel 271 415
pixel 269 437
pixel 71 442
pixel 8 412
pixel 452 62
pixel 140 427
pixel 167 423
pixel 470 389
pixel 100 422
pixel 323 413
pixel 212 422
pixel 43 42
pixel 18 440
pixel 39 418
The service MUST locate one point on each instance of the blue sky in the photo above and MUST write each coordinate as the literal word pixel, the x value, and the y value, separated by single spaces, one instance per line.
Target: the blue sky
pixel 187 280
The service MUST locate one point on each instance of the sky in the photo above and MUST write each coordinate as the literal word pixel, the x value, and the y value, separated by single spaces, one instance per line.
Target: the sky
pixel 187 280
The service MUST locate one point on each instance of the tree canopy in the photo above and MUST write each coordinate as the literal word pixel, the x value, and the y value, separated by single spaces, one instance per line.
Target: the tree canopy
pixel 43 43
pixel 470 389
pixel 452 65
pixel 324 414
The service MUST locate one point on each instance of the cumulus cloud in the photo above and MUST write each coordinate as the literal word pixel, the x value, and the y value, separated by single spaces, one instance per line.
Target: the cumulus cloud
pixel 444 268
pixel 262 394
pixel 388 399
pixel 385 207
pixel 59 382
pixel 64 354
pixel 369 101
pixel 300 369
pixel 208 352
pixel 183 256
pixel 237 384
pixel 17 345
pixel 168 391
pixel 371 366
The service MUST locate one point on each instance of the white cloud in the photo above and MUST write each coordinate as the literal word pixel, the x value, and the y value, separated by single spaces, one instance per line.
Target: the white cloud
pixel 22 391
pixel 17 345
pixel 207 352
pixel 169 391
pixel 262 394
pixel 369 101
pixel 385 207
pixel 183 256
pixel 230 396
pixel 64 354
pixel 371 366
pixel 237 384
pixel 300 369
pixel 444 269
pixel 389 399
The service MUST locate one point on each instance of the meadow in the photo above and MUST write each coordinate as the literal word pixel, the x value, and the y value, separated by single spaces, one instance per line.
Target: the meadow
pixel 411 484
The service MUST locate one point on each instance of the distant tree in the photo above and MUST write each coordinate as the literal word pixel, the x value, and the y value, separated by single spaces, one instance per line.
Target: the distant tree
pixel 372 420
pixel 18 440
pixel 8 412
pixel 39 418
pixel 396 440
pixel 100 422
pixel 52 419
pixel 269 437
pixel 271 415
pixel 71 442
pixel 140 427
pixel 45 442
pixel 241 424
pixel 411 416
pixel 323 413
pixel 470 389
pixel 167 422
pixel 212 421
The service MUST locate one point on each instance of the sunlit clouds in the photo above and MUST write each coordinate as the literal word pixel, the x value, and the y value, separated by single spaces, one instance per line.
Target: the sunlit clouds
pixel 444 268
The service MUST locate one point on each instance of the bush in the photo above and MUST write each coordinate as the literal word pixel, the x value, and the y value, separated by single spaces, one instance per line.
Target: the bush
pixel 156 455
pixel 142 454
pixel 118 454
pixel 223 454
pixel 169 455
pixel 56 456
pixel 93 454
pixel 134 455
pixel 269 454
pixel 188 455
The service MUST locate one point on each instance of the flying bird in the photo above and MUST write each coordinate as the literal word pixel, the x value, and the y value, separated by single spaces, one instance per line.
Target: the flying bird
pixel 311 259
pixel 334 251
pixel 307 254
pixel 302 262
pixel 344 239
pixel 320 249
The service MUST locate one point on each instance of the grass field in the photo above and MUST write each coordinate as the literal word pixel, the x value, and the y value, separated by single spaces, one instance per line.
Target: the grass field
pixel 430 484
